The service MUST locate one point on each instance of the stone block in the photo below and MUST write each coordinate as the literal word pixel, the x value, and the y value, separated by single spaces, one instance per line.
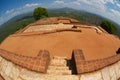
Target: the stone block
pixel 117 70
pixel 5 76
pixel 61 77
pixel 3 65
pixel 1 58
pixel 8 70
pixel 56 57
pixel 119 64
pixel 105 74
pixel 30 75
pixel 113 77
pixel 91 76
pixel 59 72
pixel 14 72
pixel 58 68
pixel 112 71
pixel 19 79
pixel 58 62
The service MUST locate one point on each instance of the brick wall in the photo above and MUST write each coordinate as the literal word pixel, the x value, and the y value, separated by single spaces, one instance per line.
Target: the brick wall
pixel 38 63
pixel 11 71
pixel 83 66
pixel 46 32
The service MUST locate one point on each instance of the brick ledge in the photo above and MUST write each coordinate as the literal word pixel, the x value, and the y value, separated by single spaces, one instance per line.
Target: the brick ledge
pixel 39 63
pixel 83 66
pixel 45 32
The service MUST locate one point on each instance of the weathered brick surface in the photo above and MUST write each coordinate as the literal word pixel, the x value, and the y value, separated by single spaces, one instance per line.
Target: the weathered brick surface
pixel 83 66
pixel 38 63
pixel 46 32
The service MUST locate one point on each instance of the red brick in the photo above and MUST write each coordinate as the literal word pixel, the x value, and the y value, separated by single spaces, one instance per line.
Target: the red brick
pixel 89 66
pixel 38 63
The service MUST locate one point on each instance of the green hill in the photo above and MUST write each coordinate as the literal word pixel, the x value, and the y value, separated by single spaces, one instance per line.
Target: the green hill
pixel 14 26
pixel 20 21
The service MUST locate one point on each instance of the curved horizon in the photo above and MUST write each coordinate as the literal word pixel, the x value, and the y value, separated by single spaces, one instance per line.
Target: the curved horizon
pixel 109 9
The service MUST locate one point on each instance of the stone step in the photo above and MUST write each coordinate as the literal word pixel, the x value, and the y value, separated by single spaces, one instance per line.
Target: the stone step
pixel 59 72
pixel 61 77
pixel 58 62
pixel 58 68
pixel 56 57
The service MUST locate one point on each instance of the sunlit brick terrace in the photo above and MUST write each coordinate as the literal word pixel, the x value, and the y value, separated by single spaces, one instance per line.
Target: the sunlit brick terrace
pixel 82 48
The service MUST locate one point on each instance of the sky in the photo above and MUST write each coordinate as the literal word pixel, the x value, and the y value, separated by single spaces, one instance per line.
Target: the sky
pixel 107 8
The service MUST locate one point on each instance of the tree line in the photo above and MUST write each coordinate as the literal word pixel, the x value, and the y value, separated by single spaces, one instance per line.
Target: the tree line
pixel 41 12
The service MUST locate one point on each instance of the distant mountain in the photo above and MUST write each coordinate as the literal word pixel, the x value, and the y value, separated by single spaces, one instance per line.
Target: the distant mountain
pixel 18 17
pixel 20 21
pixel 88 18
pixel 84 16
pixel 15 24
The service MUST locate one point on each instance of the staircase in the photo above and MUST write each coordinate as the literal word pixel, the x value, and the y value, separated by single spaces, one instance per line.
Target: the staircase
pixel 58 70
pixel 58 66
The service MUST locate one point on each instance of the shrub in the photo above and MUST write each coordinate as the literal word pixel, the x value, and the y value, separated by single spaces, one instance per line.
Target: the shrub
pixel 109 27
pixel 40 12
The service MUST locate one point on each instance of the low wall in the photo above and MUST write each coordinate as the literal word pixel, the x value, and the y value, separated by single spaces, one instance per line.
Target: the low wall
pixel 83 66
pixel 46 32
pixel 38 63
pixel 111 72
pixel 10 71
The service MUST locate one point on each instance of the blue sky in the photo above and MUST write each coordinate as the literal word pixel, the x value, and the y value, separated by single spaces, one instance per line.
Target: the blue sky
pixel 106 8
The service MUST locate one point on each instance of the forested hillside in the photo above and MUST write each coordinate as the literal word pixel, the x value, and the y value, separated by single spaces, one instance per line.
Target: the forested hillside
pixel 20 21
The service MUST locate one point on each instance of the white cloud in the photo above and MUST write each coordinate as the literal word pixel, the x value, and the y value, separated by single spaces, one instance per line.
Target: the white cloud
pixel 58 2
pixel 115 12
pixel 93 6
pixel 13 12
pixel 118 5
pixel 113 15
pixel 97 4
pixel 110 1
pixel 30 5
pixel 9 11
pixel 98 7
pixel 76 2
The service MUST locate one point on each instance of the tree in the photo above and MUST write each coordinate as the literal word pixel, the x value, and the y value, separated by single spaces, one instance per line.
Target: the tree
pixel 109 27
pixel 40 12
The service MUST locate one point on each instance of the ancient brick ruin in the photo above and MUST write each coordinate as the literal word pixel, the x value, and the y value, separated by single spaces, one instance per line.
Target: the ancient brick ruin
pixel 60 49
